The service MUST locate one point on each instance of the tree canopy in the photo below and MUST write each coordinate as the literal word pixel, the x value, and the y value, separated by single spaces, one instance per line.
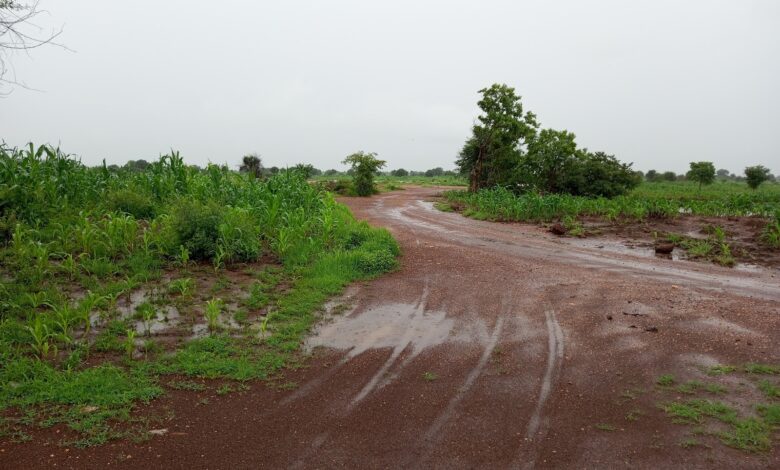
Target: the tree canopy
pixel 507 149
pixel 364 166
pixel 701 172
pixel 755 175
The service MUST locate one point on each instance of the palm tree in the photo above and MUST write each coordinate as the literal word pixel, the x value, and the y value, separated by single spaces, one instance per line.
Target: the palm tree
pixel 253 164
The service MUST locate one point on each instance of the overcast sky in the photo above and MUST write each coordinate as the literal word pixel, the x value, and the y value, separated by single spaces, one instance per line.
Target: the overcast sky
pixel 657 83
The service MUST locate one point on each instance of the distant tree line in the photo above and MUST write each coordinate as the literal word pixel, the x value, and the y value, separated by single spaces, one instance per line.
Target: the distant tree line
pixel 705 173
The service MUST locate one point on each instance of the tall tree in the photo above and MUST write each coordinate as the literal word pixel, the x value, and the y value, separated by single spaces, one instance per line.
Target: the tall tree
pixel 253 164
pixel 702 173
pixel 497 138
pixel 364 167
pixel 755 175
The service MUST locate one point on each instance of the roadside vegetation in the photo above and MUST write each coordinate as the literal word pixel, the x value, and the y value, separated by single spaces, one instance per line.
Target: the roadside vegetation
pixel 115 278
pixel 716 411
pixel 519 173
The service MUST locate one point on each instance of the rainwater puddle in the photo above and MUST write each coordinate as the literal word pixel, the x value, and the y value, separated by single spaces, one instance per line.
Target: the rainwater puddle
pixel 385 326
pixel 623 249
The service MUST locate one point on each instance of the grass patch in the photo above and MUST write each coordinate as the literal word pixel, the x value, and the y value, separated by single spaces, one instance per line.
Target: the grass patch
pixel 666 380
pixel 694 411
pixel 605 427
pixel 430 376
pixel 751 435
pixel 770 414
pixel 763 369
pixel 187 385
pixel 721 370
pixel 689 443
pixel 770 390
pixel 693 386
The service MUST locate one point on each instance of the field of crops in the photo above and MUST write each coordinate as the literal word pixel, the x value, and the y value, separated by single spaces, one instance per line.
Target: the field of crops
pixel 649 200
pixel 99 265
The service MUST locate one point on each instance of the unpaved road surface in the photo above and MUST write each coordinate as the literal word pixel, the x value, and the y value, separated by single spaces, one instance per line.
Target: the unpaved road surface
pixel 494 346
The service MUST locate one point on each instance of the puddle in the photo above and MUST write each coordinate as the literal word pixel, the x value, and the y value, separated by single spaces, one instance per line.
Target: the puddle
pixel 126 305
pixel 225 322
pixel 386 326
pixel 724 325
pixel 637 309
pixel 165 318
pixel 623 249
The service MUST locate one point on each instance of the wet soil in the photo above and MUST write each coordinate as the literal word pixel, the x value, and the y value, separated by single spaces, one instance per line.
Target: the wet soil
pixel 493 346
pixel 743 235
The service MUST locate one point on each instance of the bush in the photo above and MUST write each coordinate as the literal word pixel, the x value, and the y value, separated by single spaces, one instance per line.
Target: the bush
pixel 364 167
pixel 375 262
pixel 239 235
pixel 131 202
pixel 195 226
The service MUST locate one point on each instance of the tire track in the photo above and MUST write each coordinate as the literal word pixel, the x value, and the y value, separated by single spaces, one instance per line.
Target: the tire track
pixel 397 350
pixel 431 435
pixel 537 425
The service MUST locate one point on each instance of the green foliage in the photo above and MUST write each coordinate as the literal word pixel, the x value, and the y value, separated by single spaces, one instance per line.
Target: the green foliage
pixel 507 150
pixel 764 369
pixel 78 240
pixel 755 175
pixel 721 369
pixel 665 380
pixel 489 156
pixel 131 202
pixel 195 226
pixel 365 165
pixel 650 200
pixel 701 173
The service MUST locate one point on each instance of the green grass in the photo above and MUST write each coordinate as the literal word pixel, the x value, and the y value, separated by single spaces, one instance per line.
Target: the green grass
pixel 688 443
pixel 721 369
pixel 764 369
pixel 649 200
pixel 430 376
pixel 695 386
pixel 187 385
pixel 694 411
pixel 665 380
pixel 79 241
pixel 770 390
pixel 770 414
pixel 605 427
pixel 751 434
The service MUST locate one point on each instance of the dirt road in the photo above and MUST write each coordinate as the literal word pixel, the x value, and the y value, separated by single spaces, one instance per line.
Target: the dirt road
pixel 494 346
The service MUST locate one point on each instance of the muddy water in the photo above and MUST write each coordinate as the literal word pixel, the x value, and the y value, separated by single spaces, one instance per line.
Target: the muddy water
pixel 384 326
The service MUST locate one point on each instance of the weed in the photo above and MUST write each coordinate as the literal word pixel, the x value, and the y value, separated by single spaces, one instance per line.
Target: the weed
pixel 186 385
pixel 183 286
pixel 688 443
pixel 430 376
pixel 224 389
pixel 129 343
pixel 749 434
pixel 765 369
pixel 770 414
pixel 666 380
pixel 605 427
pixel 634 414
pixel 721 370
pixel 770 390
pixel 212 313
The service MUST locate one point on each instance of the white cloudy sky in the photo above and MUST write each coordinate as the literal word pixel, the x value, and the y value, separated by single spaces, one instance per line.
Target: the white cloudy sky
pixel 659 83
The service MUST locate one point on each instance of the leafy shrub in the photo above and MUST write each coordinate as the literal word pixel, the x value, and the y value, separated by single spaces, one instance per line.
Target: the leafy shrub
pixel 195 226
pixel 364 165
pixel 376 262
pixel 131 202
pixel 239 235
